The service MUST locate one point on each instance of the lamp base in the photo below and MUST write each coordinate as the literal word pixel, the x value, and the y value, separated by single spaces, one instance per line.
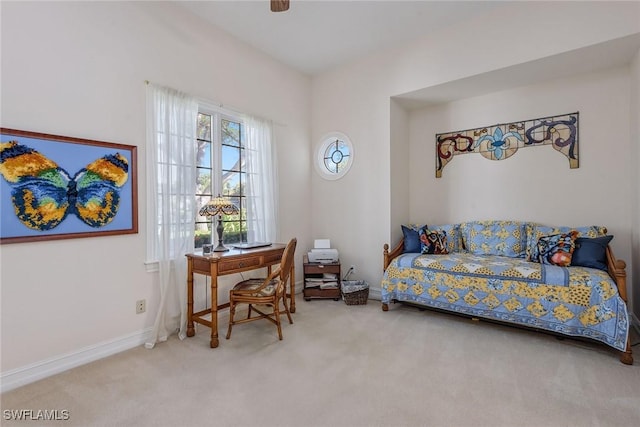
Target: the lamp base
pixel 220 230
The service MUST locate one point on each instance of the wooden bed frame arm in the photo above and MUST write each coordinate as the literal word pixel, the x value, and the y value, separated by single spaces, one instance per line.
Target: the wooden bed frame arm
pixel 616 268
pixel 389 256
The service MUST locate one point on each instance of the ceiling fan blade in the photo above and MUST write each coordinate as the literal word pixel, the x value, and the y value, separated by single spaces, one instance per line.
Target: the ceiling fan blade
pixel 279 5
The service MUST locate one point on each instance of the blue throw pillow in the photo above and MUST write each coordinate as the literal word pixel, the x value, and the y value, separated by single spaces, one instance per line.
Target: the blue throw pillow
pixel 411 239
pixel 591 252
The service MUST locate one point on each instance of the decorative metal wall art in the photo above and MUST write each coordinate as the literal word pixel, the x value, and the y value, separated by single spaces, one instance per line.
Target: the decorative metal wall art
pixel 501 141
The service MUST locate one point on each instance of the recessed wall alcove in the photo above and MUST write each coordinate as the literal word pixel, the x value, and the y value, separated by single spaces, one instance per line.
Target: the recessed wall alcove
pixel 536 184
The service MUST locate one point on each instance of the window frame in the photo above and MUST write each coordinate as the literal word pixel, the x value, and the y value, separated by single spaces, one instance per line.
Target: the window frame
pixel 321 150
pixel 217 116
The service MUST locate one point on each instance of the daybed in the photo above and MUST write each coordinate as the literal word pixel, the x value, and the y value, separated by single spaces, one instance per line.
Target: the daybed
pixel 560 279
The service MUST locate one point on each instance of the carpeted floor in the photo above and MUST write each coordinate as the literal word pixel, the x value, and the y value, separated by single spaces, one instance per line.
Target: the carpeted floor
pixel 342 365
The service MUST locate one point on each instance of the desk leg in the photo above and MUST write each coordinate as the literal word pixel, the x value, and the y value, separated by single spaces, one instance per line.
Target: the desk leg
pixel 214 307
pixel 190 329
pixel 292 282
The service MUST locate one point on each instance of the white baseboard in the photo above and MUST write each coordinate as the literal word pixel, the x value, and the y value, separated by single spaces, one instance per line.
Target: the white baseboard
pixel 375 293
pixel 46 368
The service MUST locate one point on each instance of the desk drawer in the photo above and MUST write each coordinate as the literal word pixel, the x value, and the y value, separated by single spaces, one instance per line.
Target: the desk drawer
pixel 201 265
pixel 272 258
pixel 225 266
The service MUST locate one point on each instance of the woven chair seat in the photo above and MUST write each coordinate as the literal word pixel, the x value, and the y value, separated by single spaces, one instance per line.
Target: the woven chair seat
pixel 269 292
pixel 252 284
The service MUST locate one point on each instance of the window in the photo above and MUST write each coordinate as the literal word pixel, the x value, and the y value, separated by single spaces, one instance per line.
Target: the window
pixel 197 150
pixel 334 156
pixel 221 169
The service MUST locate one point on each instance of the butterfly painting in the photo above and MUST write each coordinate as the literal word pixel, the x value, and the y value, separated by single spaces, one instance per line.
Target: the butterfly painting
pixel 43 195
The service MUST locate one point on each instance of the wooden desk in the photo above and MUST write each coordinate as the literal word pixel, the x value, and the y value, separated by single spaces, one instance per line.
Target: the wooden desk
pixel 223 263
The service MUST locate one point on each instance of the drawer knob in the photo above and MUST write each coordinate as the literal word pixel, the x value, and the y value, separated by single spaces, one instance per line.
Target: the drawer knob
pixel 241 264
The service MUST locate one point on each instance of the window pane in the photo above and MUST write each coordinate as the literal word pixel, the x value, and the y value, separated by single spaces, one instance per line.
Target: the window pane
pixel 234 232
pixel 336 156
pixel 203 186
pixel 230 133
pixel 204 154
pixel 230 158
pixel 331 167
pixel 231 184
pixel 204 127
pixel 202 233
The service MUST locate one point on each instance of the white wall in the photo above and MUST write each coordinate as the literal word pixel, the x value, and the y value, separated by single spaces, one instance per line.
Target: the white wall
pixel 355 99
pixel 399 152
pixel 78 69
pixel 536 183
pixel 635 179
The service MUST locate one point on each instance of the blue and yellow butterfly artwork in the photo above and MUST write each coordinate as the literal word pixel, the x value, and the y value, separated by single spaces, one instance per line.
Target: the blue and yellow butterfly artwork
pixel 46 198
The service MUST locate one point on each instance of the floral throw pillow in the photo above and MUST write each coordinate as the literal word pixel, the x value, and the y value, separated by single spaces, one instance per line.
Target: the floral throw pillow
pixel 452 231
pixel 433 241
pixel 557 249
pixel 494 237
pixel 535 231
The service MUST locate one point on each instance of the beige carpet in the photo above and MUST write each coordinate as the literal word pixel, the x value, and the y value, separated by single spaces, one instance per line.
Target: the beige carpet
pixel 342 365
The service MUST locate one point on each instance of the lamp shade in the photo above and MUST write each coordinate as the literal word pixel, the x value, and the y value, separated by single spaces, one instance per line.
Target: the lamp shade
pixel 218 206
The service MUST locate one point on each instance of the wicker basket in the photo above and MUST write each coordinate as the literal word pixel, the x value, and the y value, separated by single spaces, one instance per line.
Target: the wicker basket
pixel 355 292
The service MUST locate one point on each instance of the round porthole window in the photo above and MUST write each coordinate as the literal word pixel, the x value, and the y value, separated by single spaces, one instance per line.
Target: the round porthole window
pixel 334 155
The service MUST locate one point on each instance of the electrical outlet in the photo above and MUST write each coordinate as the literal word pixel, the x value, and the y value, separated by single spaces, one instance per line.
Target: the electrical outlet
pixel 141 306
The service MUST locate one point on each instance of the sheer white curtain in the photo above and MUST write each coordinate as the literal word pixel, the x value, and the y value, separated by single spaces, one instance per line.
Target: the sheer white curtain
pixel 262 180
pixel 171 177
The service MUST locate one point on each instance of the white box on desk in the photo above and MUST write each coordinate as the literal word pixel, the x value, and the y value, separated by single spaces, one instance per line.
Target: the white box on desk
pixel 323 256
pixel 322 244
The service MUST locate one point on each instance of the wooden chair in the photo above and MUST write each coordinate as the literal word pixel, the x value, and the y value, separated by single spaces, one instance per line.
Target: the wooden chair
pixel 269 291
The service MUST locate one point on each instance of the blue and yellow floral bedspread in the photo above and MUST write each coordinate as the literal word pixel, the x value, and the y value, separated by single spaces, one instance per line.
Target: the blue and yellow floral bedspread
pixel 575 301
